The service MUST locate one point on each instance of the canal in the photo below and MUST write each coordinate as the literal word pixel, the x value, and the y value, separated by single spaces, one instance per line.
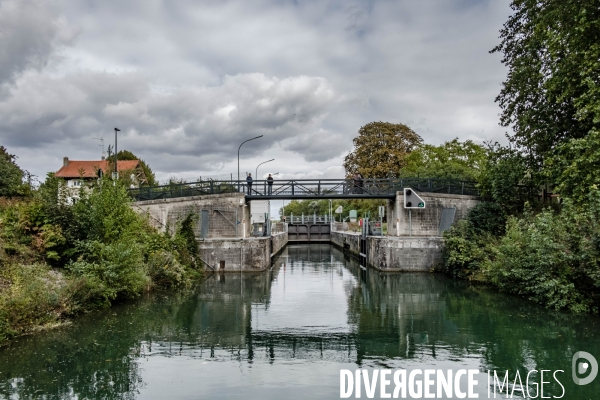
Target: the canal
pixel 288 332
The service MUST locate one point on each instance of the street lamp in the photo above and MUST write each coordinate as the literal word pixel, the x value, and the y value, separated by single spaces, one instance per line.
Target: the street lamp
pixel 239 153
pixel 264 162
pixel 116 152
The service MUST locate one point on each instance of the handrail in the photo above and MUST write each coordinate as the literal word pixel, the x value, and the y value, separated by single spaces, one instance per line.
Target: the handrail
pixel 307 188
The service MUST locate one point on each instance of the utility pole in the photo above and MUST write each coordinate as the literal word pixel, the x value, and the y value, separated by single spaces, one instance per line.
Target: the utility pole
pixel 116 153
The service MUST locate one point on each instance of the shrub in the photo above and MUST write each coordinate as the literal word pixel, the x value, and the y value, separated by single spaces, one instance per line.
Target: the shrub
pixel 466 251
pixel 118 266
pixel 165 270
pixel 487 217
pixel 33 295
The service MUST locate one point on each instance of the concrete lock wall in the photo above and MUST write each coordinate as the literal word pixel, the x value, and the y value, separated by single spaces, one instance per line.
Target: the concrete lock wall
pixel 227 214
pixel 241 255
pixel 426 222
pixel 405 254
pixel 395 254
pixel 278 242
pixel 348 241
pixel 236 255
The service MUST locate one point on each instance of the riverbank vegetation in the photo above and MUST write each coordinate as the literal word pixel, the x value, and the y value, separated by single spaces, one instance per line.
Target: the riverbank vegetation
pixel 57 260
pixel 538 234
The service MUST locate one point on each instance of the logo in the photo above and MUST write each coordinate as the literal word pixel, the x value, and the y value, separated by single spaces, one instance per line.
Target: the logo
pixel 580 367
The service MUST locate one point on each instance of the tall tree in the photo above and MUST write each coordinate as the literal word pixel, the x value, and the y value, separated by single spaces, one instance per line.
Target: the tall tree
pixel 125 155
pixel 380 150
pixel 11 176
pixel 453 160
pixel 552 91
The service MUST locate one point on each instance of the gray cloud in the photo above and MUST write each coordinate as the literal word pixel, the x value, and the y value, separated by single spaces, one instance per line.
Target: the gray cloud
pixel 30 30
pixel 188 81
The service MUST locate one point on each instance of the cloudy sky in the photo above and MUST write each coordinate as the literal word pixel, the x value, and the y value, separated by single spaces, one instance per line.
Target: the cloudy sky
pixel 187 81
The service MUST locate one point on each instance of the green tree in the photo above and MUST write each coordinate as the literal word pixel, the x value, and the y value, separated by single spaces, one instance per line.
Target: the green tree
pixel 321 207
pixel 576 167
pixel 505 178
pixel 11 176
pixel 125 155
pixel 452 160
pixel 552 92
pixel 380 150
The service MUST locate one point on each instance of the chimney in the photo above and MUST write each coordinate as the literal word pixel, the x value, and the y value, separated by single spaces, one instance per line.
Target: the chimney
pixel 65 161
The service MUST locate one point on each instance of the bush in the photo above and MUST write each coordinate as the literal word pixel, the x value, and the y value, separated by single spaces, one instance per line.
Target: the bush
pixel 488 217
pixel 552 258
pixel 466 251
pixel 109 251
pixel 118 266
pixel 533 259
pixel 33 295
pixel 165 270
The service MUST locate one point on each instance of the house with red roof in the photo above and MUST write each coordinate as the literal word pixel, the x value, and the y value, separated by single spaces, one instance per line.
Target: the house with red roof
pixel 78 173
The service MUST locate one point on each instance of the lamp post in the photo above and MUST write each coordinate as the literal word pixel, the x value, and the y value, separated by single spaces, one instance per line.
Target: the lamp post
pixel 116 152
pixel 264 162
pixel 239 154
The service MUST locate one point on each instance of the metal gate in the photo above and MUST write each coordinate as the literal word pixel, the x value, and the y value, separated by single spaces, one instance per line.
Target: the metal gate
pixel 204 224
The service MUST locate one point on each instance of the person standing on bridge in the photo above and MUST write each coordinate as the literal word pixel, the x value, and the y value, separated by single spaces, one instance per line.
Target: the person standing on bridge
pixel 361 181
pixel 270 184
pixel 355 183
pixel 249 182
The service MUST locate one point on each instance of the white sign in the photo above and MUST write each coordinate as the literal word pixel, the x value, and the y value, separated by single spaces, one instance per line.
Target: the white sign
pixel 338 210
pixel 382 211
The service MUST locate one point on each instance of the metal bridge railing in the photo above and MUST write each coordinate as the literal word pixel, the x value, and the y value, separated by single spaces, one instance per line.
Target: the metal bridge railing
pixel 306 188
pixel 307 219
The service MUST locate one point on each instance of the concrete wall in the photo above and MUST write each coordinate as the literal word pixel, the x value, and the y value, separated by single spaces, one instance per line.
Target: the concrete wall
pixel 249 255
pixel 348 241
pixel 426 222
pixel 395 254
pixel 223 209
pixel 278 242
pixel 405 254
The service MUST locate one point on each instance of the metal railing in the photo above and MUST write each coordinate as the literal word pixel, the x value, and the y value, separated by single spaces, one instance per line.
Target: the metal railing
pixel 307 219
pixel 306 188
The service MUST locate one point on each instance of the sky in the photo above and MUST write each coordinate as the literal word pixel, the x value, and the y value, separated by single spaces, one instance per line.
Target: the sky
pixel 188 81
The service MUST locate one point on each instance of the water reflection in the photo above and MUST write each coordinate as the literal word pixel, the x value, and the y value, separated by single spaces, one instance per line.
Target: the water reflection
pixel 289 331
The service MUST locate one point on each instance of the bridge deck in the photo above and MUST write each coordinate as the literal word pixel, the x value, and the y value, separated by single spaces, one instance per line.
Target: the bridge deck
pixel 306 188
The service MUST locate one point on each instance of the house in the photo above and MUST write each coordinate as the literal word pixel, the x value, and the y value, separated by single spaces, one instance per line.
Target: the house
pixel 81 173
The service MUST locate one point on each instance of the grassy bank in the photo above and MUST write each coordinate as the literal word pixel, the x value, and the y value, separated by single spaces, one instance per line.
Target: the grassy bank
pixel 58 260
pixel 551 256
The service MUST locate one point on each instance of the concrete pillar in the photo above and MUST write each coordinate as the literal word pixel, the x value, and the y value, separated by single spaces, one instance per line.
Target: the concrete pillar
pixel 426 222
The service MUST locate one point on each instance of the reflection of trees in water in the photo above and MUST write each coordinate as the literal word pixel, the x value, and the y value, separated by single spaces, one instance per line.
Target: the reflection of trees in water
pixel 97 356
pixel 416 315
pixel 403 316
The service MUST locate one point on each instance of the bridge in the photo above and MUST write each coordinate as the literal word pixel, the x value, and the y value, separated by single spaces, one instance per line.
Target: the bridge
pixel 298 189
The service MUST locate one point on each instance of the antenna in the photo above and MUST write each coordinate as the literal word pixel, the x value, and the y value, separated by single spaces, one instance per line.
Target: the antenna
pixel 101 139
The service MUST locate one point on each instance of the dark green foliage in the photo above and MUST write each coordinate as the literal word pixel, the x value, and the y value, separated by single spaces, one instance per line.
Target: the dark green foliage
pixel 576 167
pixel 466 251
pixel 11 176
pixel 488 217
pixel 505 179
pixel 186 240
pixel 551 94
pixel 552 258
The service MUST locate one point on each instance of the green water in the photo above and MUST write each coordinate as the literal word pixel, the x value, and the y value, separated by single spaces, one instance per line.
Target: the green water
pixel 287 333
